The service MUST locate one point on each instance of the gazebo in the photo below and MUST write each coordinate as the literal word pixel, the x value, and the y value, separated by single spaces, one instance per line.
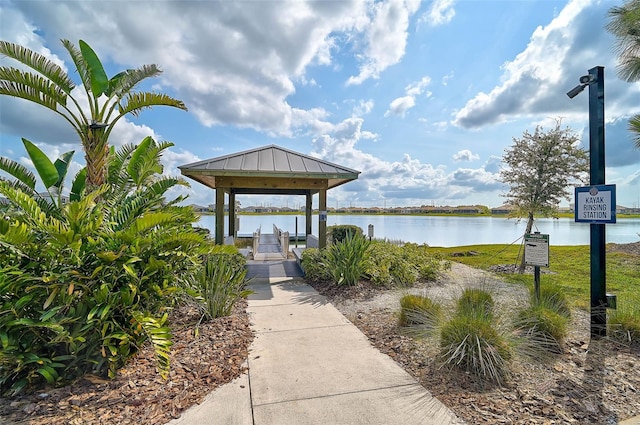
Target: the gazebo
pixel 269 170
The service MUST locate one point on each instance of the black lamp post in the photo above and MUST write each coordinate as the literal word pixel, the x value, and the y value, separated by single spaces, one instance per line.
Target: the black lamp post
pixel 595 81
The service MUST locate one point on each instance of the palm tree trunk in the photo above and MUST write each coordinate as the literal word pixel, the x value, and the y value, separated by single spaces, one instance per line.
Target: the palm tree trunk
pixel 529 226
pixel 96 153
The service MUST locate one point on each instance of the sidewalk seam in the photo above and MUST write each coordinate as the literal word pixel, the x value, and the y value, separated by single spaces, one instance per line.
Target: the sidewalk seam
pixel 303 329
pixel 337 394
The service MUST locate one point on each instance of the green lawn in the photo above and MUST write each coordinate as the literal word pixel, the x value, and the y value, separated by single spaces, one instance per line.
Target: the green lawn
pixel 571 267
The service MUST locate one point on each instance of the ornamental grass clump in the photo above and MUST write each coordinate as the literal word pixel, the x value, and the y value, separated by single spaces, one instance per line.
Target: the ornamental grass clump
pixel 471 340
pixel 624 325
pixel 419 311
pixel 544 324
pixel 475 302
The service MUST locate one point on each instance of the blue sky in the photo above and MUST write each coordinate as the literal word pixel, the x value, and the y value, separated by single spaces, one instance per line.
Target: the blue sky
pixel 422 97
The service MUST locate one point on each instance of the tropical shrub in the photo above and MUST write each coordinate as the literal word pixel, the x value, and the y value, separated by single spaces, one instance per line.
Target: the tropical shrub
pixel 222 281
pixel 313 265
pixel 345 259
pixel 387 264
pixel 418 310
pixel 87 282
pixel 339 232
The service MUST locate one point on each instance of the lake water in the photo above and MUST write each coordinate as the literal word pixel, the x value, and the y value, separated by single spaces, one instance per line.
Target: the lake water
pixel 444 231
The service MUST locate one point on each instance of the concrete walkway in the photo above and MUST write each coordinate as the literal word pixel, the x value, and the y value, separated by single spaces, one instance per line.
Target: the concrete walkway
pixel 309 365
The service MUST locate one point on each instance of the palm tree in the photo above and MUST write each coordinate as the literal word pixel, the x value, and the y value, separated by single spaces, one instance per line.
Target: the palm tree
pixel 625 25
pixel 51 87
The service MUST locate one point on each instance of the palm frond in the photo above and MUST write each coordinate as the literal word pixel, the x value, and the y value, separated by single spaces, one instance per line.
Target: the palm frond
pixel 25 202
pixel 128 80
pixel 160 337
pixel 134 103
pixel 62 165
pixel 162 185
pixel 14 235
pixel 18 171
pixel 634 127
pixel 81 65
pixel 97 75
pixel 36 82
pixel 32 94
pixel 39 63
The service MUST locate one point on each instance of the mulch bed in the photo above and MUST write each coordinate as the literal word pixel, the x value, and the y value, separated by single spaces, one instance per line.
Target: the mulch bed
pixel 199 364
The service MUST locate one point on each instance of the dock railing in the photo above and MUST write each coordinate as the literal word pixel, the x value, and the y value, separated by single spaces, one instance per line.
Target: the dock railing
pixel 256 241
pixel 283 239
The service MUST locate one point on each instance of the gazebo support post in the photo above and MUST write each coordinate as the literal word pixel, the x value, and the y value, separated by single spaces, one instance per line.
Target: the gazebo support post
pixel 322 223
pixel 232 214
pixel 219 216
pixel 308 212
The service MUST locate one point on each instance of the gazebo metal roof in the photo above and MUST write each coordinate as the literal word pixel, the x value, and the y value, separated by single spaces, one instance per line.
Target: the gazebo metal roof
pixel 268 169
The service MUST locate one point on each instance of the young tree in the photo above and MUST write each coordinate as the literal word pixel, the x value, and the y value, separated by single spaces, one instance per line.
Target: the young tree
pixel 625 25
pixel 109 99
pixel 539 168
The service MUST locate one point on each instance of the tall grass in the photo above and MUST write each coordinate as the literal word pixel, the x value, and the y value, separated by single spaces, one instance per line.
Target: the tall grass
pixel 471 340
pixel 345 259
pixel 420 311
pixel 624 325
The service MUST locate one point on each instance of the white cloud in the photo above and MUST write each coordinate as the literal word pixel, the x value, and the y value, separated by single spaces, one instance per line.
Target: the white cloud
pixel 386 37
pixel 441 12
pixel 465 155
pixel 407 181
pixel 537 80
pixel 401 105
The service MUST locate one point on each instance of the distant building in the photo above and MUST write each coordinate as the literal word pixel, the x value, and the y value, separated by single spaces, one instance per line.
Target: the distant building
pixel 503 209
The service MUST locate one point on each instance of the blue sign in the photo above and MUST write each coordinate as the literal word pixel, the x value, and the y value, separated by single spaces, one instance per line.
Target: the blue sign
pixel 595 204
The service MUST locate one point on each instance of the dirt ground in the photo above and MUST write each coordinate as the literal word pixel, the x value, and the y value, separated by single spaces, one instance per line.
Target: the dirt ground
pixel 590 382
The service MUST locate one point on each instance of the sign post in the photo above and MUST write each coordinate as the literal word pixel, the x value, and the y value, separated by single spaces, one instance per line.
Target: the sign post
pixel 536 254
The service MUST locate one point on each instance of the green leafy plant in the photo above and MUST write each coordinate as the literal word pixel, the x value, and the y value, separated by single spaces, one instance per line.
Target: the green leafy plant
pixel 389 264
pixel 89 281
pixel 543 326
pixel 418 310
pixel 222 282
pixel 339 232
pixel 345 259
pixel 313 265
